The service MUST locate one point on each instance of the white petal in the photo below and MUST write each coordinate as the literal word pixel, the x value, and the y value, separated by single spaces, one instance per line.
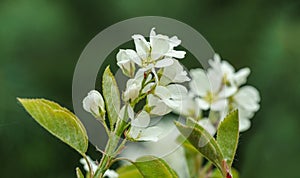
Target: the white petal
pixel 215 63
pixel 176 54
pixel 219 105
pixel 215 78
pixel 158 106
pixel 125 61
pixel 130 112
pixel 174 74
pixel 159 47
pixel 174 41
pixel 162 92
pixel 91 162
pixel 202 103
pixel 164 62
pixel 150 134
pixel 209 127
pixel 147 134
pixel 227 91
pixel 141 120
pixel 241 76
pixel 248 98
pixel 141 45
pixel 111 174
pixel 177 91
pixel 244 125
pixel 227 68
pixel 134 56
pixel 199 83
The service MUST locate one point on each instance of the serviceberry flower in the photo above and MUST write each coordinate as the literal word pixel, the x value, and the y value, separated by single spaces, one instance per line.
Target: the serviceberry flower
pixel 219 91
pixel 158 52
pixel 208 91
pixel 94 104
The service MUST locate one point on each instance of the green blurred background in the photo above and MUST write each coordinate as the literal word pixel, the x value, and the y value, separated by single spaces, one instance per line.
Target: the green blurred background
pixel 40 42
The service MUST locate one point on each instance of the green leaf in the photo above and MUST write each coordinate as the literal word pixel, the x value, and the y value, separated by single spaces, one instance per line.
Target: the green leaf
pixel 129 172
pixel 203 142
pixel 79 173
pixel 58 121
pixel 111 95
pixel 217 174
pixel 227 136
pixel 150 166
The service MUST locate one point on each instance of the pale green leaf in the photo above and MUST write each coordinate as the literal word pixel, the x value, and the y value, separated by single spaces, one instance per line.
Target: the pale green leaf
pixel 58 121
pixel 79 173
pixel 227 136
pixel 203 142
pixel 150 166
pixel 111 95
pixel 129 172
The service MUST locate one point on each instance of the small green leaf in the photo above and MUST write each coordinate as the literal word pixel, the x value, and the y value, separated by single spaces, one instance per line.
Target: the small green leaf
pixel 129 172
pixel 217 174
pixel 203 142
pixel 150 166
pixel 228 135
pixel 79 173
pixel 111 95
pixel 58 121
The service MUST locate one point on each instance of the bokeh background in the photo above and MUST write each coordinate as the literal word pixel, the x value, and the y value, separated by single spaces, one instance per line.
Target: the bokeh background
pixel 40 42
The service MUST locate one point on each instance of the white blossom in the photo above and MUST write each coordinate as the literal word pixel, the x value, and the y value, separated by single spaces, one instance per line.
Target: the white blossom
pixel 208 91
pixel 219 90
pixel 94 104
pixel 227 72
pixel 158 52
pixel 125 63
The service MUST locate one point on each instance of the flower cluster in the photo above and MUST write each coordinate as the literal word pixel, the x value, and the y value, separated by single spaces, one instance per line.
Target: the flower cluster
pixel 157 80
pixel 220 90
pixel 156 76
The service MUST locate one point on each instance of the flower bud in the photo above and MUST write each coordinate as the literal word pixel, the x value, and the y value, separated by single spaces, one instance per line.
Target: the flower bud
pixel 94 104
pixel 125 62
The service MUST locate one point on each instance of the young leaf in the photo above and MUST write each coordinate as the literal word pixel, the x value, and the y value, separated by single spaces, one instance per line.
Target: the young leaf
pixel 203 142
pixel 58 121
pixel 111 95
pixel 150 166
pixel 227 136
pixel 79 173
pixel 129 172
